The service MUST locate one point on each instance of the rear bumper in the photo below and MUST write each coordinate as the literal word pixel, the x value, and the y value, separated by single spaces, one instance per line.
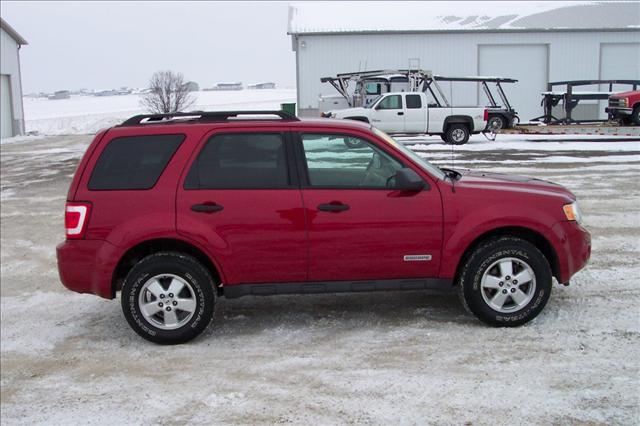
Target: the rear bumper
pixel 86 266
pixel 575 249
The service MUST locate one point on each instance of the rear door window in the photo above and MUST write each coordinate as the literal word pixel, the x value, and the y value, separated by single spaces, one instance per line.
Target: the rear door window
pixel 241 161
pixel 414 102
pixel 134 162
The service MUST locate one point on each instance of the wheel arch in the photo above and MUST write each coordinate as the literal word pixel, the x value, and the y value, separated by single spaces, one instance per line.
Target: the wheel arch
pixel 527 234
pixel 358 118
pixel 503 115
pixel 148 247
pixel 458 119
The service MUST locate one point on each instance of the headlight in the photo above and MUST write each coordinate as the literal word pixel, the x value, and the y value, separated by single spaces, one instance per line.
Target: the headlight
pixel 572 212
pixel 624 102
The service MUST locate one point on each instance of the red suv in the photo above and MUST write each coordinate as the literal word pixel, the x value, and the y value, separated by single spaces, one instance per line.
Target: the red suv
pixel 177 210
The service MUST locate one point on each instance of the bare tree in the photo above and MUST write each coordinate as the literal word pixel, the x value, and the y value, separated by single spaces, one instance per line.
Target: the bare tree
pixel 167 93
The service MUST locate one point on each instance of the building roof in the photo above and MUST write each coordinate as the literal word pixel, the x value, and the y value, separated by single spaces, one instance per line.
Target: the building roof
pixel 13 33
pixel 461 16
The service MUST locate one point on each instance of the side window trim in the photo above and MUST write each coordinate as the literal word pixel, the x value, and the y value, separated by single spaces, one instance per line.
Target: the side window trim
pixel 292 172
pixel 303 168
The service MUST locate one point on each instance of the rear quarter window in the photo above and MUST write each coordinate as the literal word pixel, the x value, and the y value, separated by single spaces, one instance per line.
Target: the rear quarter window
pixel 134 162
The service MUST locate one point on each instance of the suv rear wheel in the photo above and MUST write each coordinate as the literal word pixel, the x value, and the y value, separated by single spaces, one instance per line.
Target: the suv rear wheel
pixel 505 282
pixel 168 298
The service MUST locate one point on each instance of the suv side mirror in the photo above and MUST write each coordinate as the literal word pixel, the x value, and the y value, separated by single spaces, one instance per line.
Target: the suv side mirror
pixel 408 180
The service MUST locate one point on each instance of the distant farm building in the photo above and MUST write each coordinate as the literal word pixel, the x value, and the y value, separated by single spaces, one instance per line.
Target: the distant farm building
pixel 11 109
pixel 227 86
pixel 262 86
pixel 60 94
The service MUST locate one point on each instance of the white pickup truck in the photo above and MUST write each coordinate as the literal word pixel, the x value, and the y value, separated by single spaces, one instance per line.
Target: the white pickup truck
pixel 410 112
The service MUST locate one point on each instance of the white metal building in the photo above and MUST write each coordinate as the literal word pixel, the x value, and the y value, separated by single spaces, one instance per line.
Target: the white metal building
pixel 534 42
pixel 11 110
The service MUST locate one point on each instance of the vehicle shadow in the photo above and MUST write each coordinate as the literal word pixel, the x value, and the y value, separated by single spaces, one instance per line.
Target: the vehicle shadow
pixel 254 314
pixel 258 316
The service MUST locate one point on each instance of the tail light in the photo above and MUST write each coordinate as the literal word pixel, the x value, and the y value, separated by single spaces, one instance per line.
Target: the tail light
pixel 486 115
pixel 76 217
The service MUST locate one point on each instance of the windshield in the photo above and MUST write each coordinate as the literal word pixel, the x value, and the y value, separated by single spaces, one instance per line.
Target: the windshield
pixel 373 101
pixel 424 164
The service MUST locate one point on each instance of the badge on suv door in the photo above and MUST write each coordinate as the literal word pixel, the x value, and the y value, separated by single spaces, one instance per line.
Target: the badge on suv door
pixel 417 257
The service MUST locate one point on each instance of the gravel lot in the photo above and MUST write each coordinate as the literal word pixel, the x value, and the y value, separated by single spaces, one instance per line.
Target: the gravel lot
pixel 403 358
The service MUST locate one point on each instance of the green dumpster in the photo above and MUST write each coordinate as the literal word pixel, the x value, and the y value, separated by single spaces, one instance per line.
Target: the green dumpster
pixel 289 107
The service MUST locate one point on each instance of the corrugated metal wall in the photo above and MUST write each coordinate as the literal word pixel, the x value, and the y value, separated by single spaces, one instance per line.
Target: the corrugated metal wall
pixel 571 56
pixel 10 69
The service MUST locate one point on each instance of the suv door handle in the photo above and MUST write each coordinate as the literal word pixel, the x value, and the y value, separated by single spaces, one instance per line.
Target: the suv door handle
pixel 401 113
pixel 207 207
pixel 334 207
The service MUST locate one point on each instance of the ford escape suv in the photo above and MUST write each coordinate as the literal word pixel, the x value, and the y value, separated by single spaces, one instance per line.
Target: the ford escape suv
pixel 174 211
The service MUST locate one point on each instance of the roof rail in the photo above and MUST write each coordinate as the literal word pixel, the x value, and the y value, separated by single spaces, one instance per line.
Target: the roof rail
pixel 201 116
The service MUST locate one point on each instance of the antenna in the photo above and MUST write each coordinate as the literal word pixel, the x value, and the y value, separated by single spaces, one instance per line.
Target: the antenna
pixel 451 113
pixel 453 180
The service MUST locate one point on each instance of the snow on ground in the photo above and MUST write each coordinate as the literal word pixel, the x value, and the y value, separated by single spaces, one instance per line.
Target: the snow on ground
pixel 553 143
pixel 88 114
pixel 379 358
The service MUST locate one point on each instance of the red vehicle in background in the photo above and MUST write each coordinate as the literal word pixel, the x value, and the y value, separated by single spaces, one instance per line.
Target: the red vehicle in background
pixel 625 107
pixel 176 210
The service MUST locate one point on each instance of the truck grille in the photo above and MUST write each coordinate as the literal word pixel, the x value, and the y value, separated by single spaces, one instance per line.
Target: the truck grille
pixel 614 103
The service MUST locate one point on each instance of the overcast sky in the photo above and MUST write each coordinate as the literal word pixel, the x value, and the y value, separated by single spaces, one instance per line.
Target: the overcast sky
pixel 102 45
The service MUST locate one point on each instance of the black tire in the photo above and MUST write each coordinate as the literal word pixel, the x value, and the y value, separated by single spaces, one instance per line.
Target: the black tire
pixel 457 134
pixel 635 115
pixel 496 122
pixel 198 283
pixel 443 137
pixel 482 258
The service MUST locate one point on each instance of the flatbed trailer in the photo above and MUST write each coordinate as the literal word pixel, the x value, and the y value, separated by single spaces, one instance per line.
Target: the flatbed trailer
pixel 600 129
pixel 570 98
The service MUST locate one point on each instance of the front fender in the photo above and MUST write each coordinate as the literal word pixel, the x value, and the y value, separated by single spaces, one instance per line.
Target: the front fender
pixel 459 236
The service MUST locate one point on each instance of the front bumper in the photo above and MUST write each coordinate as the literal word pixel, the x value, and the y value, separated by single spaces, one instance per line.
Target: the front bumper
pixel 86 266
pixel 618 111
pixel 575 248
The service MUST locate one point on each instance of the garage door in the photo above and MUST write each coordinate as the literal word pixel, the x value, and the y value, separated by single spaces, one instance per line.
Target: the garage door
pixel 619 61
pixel 527 63
pixel 6 130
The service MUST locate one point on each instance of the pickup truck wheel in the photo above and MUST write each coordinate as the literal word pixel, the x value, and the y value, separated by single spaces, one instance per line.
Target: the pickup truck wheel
pixel 496 122
pixel 506 282
pixel 635 115
pixel 457 134
pixel 168 298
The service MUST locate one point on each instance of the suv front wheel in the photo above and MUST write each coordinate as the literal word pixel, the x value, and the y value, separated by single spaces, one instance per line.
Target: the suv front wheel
pixel 168 298
pixel 505 282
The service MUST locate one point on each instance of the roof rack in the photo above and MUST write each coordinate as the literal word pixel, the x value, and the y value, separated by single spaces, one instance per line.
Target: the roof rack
pixel 201 117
